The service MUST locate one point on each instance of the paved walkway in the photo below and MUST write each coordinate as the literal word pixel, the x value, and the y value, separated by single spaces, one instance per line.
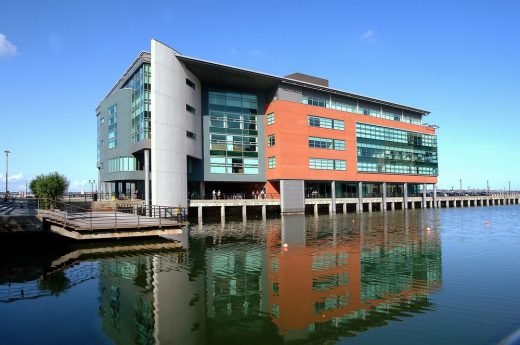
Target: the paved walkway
pixel 17 208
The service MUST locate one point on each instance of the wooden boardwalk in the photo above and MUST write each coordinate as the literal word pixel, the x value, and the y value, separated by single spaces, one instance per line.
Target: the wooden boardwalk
pixel 81 224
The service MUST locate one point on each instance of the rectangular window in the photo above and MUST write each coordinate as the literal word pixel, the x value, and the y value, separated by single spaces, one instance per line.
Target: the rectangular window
pixel 190 135
pixel 123 164
pixel 327 164
pixel 190 83
pixel 190 109
pixel 339 145
pixel 270 140
pixel 395 151
pixel 270 119
pixel 271 162
pixel 112 127
pixel 324 122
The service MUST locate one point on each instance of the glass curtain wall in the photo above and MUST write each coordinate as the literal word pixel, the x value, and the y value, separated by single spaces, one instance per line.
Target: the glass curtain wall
pixel 141 114
pixel 233 132
pixel 394 151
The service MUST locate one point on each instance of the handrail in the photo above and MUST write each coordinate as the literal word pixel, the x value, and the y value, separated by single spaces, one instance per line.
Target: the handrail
pixel 71 215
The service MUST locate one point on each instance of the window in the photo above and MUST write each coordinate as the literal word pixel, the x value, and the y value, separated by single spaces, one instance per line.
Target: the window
pixel 223 165
pixel 270 119
pixel 371 109
pixel 190 109
pixel 112 127
pixel 319 102
pixel 123 164
pixel 190 83
pixel 190 135
pixel 394 151
pixel 271 162
pixel 233 131
pixel 324 122
pixel 140 83
pixel 327 164
pixel 101 119
pixel 270 140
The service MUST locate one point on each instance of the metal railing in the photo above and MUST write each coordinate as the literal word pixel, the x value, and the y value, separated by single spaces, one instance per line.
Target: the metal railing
pixel 235 196
pixel 123 216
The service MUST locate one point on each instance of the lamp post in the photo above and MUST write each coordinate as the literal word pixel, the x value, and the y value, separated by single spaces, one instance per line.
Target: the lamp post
pixel 92 187
pixel 7 152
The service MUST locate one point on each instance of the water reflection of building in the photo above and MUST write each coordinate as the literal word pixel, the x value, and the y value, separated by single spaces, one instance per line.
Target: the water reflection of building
pixel 337 284
pixel 151 298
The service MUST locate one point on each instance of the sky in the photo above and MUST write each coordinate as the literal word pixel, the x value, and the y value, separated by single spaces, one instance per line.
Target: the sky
pixel 458 59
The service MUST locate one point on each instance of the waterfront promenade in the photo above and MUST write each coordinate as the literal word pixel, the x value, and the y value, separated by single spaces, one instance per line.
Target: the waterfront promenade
pixel 345 205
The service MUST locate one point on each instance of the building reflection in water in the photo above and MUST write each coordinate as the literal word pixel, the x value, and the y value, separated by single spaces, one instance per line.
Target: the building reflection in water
pixel 342 281
pixel 291 279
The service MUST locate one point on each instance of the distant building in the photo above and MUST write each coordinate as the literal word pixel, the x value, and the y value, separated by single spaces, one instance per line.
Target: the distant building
pixel 198 126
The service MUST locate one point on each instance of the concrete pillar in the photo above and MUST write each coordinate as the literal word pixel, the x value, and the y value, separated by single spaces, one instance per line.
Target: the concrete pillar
pixel 202 189
pixel 264 211
pixel 435 195
pixel 333 194
pixel 412 204
pixel 331 208
pixel 359 207
pixel 147 178
pixel 199 214
pixel 369 207
pixel 423 196
pixel 392 206
pixel 345 208
pixel 448 203
pixel 315 209
pixel 360 194
pixel 383 206
pixel 223 213
pixel 244 212
pixel 405 196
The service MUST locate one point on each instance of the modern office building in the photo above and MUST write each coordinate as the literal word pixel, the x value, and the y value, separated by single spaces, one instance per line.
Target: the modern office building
pixel 176 127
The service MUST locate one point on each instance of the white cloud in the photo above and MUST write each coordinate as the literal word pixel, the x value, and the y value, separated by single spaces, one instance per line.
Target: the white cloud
pixel 79 185
pixel 13 178
pixel 368 36
pixel 6 47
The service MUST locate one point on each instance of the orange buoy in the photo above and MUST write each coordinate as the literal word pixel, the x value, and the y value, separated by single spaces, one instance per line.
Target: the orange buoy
pixel 285 245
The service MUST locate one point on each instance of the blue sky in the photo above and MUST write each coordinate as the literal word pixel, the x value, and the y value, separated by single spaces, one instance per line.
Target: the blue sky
pixel 458 59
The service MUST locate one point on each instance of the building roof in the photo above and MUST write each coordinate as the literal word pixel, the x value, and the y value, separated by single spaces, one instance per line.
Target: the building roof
pixel 211 72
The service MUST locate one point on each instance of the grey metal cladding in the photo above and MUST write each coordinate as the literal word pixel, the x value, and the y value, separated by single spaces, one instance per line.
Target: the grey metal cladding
pixel 292 196
pixel 123 99
pixel 290 93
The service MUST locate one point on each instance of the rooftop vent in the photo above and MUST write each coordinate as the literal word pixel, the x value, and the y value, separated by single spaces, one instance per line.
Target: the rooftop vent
pixel 308 79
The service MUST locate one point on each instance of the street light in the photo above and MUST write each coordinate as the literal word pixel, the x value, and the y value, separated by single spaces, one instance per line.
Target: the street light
pixel 92 186
pixel 7 152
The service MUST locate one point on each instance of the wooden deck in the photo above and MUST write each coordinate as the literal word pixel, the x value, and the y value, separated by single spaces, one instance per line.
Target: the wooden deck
pixel 94 225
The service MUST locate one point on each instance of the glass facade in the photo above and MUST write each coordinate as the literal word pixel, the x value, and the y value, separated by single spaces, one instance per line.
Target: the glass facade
pixel 140 109
pixel 326 143
pixel 123 164
pixel 112 127
pixel 327 164
pixel 395 151
pixel 356 107
pixel 325 122
pixel 233 132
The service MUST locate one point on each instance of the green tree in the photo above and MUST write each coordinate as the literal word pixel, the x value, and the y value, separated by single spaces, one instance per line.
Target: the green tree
pixel 50 187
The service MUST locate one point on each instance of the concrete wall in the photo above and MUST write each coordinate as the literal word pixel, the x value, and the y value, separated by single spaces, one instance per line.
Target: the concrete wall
pixel 170 120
